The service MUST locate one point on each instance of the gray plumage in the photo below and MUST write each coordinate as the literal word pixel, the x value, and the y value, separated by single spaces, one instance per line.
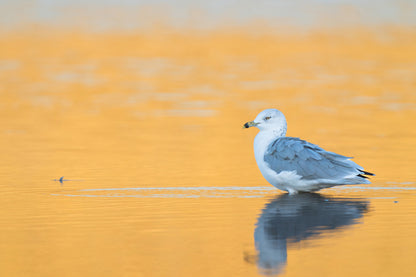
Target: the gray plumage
pixel 295 165
pixel 310 161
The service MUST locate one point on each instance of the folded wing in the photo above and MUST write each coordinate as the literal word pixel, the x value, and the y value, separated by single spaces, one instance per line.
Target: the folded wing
pixel 310 161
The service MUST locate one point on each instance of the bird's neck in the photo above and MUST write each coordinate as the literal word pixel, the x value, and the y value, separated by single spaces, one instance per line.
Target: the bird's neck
pixel 263 140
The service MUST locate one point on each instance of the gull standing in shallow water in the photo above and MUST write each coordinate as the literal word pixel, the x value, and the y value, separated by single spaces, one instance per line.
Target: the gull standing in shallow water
pixel 295 165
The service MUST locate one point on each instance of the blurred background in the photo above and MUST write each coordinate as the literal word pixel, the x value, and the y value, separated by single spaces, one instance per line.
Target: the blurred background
pixel 115 95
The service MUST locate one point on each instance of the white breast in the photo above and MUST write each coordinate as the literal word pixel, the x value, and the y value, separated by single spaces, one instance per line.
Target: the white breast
pixel 261 143
pixel 285 180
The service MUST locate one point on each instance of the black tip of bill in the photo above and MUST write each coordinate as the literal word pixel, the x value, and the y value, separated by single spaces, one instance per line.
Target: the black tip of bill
pixel 250 124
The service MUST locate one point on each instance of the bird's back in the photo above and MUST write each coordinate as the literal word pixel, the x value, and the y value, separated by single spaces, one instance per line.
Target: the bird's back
pixel 315 166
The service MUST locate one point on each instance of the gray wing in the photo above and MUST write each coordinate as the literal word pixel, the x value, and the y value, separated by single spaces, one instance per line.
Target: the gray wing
pixel 309 160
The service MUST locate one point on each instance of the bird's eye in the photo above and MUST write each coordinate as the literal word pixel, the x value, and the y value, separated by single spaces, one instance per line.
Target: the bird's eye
pixel 267 117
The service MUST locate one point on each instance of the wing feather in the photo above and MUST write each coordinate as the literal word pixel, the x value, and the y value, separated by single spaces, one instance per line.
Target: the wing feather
pixel 309 160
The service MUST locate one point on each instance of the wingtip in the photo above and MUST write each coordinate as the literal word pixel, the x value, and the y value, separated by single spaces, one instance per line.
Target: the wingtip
pixel 366 173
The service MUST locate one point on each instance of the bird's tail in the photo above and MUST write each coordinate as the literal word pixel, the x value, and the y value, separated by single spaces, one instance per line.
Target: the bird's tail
pixel 365 174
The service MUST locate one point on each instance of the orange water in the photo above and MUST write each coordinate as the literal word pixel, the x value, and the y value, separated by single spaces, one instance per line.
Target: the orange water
pixel 133 121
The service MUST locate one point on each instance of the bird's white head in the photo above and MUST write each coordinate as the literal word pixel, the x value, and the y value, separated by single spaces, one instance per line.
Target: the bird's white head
pixel 270 120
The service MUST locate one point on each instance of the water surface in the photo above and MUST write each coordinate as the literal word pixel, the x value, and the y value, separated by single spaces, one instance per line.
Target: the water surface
pixel 159 176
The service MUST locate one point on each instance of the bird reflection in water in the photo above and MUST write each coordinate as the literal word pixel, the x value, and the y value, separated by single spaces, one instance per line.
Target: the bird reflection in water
pixel 290 219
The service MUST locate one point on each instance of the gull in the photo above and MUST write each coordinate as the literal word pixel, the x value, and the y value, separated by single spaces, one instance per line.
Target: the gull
pixel 294 165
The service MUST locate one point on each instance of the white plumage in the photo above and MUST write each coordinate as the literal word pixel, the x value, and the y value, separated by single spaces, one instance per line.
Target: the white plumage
pixel 294 165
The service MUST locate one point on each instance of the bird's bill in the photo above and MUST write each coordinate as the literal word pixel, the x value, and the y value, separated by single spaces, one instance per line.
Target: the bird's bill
pixel 250 124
